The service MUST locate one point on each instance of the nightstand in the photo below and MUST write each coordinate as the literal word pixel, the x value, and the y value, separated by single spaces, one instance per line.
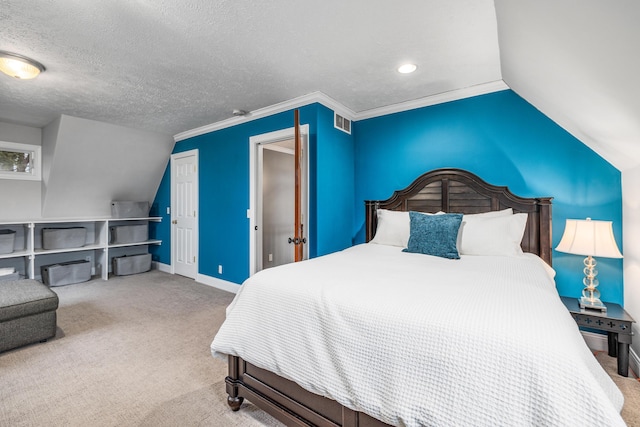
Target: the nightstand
pixel 615 322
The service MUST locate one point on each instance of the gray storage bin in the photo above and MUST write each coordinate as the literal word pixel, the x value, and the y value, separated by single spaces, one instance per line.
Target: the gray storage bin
pixel 127 209
pixel 129 233
pixel 63 238
pixel 66 273
pixel 12 276
pixel 7 239
pixel 131 264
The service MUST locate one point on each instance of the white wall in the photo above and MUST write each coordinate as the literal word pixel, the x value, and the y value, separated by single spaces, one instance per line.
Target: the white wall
pixel 85 165
pixel 631 247
pixel 19 199
pixel 91 163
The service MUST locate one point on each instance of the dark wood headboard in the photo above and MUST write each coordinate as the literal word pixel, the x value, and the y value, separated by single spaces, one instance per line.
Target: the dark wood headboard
pixel 456 190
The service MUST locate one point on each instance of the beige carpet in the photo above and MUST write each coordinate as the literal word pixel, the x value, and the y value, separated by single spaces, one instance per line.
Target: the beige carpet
pixel 629 386
pixel 134 351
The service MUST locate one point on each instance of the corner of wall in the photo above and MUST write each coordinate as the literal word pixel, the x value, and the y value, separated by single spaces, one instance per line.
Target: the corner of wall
pixel 631 247
pixel 49 139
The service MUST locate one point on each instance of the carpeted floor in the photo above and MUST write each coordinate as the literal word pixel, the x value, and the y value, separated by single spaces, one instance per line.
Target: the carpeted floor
pixel 629 386
pixel 134 351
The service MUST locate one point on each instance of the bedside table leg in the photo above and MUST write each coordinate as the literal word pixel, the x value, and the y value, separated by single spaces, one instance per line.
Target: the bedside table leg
pixel 612 340
pixel 623 359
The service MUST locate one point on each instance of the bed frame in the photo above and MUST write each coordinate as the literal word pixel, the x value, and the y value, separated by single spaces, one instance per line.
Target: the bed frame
pixel 447 190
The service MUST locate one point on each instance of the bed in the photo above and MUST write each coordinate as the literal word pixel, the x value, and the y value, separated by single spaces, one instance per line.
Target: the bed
pixel 376 336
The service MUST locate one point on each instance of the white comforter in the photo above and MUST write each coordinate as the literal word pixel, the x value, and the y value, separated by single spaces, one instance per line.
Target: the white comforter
pixel 415 340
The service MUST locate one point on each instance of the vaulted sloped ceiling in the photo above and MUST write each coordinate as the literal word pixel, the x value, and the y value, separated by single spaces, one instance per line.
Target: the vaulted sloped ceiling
pixel 578 62
pixel 174 66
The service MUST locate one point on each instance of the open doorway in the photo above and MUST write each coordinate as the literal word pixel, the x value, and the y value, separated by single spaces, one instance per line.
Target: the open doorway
pixel 272 197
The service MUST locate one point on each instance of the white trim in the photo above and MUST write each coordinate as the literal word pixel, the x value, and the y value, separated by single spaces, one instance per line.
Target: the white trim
pixel 595 342
pixel 36 157
pixel 346 112
pixel 634 362
pixel 214 282
pixel 440 98
pixel 254 203
pixel 315 97
pixel 166 268
pixel 279 149
pixel 204 279
pixel 196 202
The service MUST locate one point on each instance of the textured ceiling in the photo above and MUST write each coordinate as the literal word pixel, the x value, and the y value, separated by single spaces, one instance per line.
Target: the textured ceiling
pixel 174 66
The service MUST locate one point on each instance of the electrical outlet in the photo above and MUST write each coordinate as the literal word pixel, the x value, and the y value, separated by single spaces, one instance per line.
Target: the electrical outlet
pixel 168 210
pixel 270 257
pixel 220 269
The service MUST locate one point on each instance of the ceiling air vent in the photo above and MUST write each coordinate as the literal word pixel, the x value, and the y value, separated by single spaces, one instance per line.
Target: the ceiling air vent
pixel 341 123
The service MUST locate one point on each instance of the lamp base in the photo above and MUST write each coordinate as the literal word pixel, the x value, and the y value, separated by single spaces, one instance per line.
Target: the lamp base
pixel 592 304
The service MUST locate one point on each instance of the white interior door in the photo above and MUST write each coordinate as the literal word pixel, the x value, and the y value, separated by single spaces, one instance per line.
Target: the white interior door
pixel 184 213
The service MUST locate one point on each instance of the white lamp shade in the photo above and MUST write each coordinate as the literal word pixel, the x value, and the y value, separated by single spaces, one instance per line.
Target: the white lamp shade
pixel 587 237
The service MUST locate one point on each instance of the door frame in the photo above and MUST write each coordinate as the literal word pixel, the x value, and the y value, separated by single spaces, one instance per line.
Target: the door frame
pixel 255 197
pixel 196 232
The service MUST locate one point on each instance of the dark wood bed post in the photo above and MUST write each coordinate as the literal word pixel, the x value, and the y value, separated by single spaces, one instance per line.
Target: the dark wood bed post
pixel 545 236
pixel 371 208
pixel 232 381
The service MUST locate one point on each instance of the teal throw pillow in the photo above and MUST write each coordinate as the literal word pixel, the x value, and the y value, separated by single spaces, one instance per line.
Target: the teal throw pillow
pixel 435 235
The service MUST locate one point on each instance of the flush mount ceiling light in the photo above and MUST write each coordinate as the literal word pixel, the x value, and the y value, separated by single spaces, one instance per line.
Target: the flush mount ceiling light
pixel 19 66
pixel 407 68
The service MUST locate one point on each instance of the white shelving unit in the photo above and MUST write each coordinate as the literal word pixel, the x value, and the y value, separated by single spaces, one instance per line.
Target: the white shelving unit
pixel 28 255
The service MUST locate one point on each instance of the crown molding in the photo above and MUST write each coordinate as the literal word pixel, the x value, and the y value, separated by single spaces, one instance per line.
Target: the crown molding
pixel 441 98
pixel 301 101
pixel 332 104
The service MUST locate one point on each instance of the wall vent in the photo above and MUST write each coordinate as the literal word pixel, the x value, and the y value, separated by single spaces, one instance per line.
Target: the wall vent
pixel 341 123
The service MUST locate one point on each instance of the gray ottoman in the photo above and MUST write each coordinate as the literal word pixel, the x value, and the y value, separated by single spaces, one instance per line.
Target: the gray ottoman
pixel 27 313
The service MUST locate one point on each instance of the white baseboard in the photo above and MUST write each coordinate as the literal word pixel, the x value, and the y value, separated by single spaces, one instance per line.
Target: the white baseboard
pixel 204 279
pixel 166 268
pixel 598 342
pixel 634 362
pixel 218 283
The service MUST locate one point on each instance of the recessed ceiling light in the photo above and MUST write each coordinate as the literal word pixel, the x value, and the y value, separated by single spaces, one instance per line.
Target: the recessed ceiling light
pixel 19 66
pixel 407 68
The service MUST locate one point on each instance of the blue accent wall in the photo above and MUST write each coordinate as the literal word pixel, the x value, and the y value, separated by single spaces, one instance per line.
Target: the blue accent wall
pixel 335 185
pixel 506 141
pixel 224 191
pixel 498 136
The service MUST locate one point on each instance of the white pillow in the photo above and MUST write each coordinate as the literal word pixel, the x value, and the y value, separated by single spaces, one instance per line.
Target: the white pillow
pixel 393 228
pixel 470 218
pixel 490 214
pixel 493 235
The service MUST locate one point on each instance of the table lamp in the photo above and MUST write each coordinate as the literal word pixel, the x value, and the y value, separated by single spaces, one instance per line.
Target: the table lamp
pixel 589 238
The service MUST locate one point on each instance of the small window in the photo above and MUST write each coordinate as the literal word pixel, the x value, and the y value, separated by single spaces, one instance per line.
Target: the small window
pixel 19 161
